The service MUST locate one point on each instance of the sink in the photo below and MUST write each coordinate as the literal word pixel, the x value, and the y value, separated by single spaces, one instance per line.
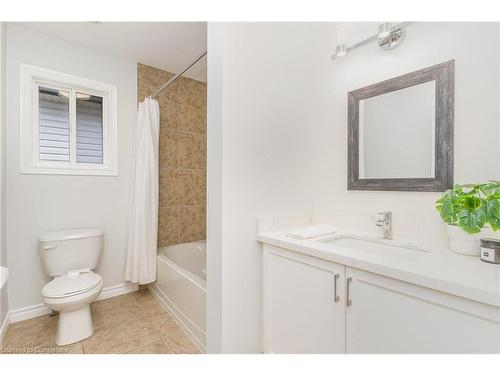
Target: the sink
pixel 375 245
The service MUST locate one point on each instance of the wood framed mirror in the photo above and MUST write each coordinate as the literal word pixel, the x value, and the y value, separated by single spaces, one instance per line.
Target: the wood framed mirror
pixel 400 132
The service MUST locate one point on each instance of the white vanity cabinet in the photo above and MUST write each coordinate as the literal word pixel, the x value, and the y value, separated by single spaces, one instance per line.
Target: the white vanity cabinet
pixel 303 304
pixel 372 313
pixel 390 316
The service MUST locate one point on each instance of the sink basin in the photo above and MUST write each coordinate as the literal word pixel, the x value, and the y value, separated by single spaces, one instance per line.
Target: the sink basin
pixel 374 245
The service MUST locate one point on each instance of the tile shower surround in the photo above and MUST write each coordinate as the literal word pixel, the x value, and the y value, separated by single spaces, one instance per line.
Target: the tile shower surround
pixel 182 200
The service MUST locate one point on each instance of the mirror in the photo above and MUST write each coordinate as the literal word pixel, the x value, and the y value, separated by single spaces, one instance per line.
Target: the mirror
pixel 401 132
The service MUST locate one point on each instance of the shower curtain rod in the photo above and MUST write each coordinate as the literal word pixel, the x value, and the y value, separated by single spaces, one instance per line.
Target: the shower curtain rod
pixel 174 78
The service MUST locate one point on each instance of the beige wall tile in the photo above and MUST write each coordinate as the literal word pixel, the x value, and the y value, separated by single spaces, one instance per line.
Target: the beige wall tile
pixel 192 223
pixel 168 149
pixel 168 222
pixel 168 187
pixel 182 156
pixel 192 187
pixel 149 79
pixel 192 106
pixel 192 151
pixel 169 102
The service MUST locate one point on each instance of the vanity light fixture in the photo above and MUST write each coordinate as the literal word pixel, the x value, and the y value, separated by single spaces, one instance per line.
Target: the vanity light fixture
pixel 341 48
pixel 389 36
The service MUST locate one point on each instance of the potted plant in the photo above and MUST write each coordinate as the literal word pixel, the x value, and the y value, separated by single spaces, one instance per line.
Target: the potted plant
pixel 467 209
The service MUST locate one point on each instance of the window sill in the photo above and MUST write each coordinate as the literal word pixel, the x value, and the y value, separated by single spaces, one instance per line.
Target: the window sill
pixel 71 171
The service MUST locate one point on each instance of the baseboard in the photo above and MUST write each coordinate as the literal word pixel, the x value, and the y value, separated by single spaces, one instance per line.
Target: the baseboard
pixel 117 290
pixel 165 303
pixel 35 311
pixel 3 328
pixel 28 312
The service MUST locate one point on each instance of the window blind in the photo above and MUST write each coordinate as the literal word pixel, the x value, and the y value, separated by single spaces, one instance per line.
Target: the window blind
pixel 53 125
pixel 89 129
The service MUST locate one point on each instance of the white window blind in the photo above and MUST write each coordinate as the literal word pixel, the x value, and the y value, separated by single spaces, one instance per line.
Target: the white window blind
pixel 53 117
pixel 89 145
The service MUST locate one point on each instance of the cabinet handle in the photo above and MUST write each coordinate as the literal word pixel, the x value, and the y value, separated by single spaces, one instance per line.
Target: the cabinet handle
pixel 336 298
pixel 348 301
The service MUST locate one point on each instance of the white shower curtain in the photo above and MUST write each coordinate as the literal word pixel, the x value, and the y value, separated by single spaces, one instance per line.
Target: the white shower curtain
pixel 143 210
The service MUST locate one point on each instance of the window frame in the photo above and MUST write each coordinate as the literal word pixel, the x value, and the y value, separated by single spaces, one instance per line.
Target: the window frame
pixel 32 78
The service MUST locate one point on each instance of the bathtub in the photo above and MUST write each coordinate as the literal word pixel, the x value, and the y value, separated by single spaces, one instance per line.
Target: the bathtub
pixel 181 287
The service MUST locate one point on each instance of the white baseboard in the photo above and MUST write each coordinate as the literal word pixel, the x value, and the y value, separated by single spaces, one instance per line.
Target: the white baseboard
pixel 35 311
pixel 3 327
pixel 28 312
pixel 117 290
pixel 170 307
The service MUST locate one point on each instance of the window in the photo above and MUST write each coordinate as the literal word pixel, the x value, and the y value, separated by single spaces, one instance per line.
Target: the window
pixel 68 124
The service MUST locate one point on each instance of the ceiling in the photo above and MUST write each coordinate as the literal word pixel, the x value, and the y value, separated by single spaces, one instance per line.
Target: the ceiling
pixel 169 46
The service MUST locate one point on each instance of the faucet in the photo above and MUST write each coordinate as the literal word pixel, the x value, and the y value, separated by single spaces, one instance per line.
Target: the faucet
pixel 386 223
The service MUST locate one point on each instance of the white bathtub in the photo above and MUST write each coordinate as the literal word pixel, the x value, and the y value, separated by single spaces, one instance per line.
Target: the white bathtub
pixel 181 286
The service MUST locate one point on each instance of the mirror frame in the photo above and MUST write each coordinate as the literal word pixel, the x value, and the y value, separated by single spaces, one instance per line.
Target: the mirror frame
pixel 443 75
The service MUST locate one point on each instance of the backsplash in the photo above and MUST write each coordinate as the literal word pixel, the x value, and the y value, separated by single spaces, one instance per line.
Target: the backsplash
pixel 182 200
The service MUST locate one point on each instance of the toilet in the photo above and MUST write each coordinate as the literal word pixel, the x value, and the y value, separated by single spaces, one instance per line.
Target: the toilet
pixel 70 257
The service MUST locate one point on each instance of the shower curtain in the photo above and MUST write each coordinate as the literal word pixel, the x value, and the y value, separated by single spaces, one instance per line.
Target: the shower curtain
pixel 143 209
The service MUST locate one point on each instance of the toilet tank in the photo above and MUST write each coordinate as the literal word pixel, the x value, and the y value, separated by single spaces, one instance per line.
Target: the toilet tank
pixel 72 249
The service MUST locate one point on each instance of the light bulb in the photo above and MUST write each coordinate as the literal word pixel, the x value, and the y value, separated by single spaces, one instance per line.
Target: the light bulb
pixel 384 30
pixel 341 48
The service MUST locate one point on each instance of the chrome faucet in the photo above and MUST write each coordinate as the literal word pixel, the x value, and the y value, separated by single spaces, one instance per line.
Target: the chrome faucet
pixel 386 223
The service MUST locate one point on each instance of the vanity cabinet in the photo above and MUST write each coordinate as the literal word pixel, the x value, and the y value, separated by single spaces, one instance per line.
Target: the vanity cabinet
pixel 303 304
pixel 390 316
pixel 371 314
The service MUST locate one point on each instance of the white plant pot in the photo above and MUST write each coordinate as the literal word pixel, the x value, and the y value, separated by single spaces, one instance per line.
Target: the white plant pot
pixel 462 242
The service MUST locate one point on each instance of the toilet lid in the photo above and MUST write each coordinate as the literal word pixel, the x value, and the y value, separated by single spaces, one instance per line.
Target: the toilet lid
pixel 62 286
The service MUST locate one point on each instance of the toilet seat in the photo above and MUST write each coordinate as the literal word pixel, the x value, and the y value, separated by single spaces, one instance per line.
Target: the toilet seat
pixel 63 286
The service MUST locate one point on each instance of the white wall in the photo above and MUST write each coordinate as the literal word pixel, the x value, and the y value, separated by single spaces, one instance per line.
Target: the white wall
pixel 283 131
pixel 41 203
pixel 4 303
pixel 474 46
pixel 262 114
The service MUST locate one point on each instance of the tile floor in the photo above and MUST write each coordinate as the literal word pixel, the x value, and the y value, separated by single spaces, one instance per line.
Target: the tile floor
pixel 133 323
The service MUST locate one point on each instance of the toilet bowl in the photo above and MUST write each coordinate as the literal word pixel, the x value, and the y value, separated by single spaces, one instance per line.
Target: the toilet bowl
pixel 71 297
pixel 69 257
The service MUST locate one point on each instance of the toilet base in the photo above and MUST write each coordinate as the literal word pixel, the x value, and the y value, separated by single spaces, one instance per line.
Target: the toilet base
pixel 74 326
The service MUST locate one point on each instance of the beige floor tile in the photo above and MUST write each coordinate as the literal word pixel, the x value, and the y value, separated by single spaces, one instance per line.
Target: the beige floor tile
pixel 120 338
pixel 157 347
pixel 28 335
pixel 161 321
pixel 144 299
pixel 111 317
pixel 133 322
pixel 179 343
pixel 36 336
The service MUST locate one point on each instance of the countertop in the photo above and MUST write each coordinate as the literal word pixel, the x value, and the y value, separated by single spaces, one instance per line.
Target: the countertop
pixel 445 271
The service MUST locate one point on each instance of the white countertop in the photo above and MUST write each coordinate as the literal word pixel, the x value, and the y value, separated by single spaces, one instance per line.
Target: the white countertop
pixel 4 273
pixel 460 275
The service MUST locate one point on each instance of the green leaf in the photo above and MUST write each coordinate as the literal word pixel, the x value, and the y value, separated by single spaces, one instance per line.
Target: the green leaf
pixel 491 188
pixel 470 202
pixel 472 221
pixel 493 213
pixel 447 206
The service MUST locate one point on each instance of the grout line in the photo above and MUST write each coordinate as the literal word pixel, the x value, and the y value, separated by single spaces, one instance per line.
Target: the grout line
pixel 142 346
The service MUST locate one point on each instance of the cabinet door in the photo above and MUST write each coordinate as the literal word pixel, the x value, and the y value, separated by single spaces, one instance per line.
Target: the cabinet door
pixel 390 316
pixel 301 313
